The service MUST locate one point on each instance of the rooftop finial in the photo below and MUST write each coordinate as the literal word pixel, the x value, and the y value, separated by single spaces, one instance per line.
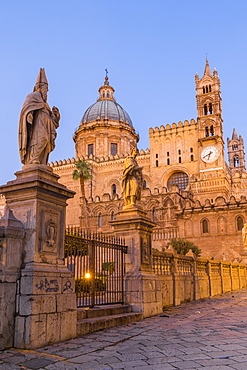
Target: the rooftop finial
pixel 106 77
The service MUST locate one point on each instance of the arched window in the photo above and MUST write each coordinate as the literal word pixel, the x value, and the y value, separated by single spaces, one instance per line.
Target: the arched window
pixel 144 184
pixel 206 89
pixel 179 160
pixel 99 219
pixel 206 131
pixel 167 154
pixel 203 90
pixel 168 161
pixel 212 130
pixel 236 161
pixel 205 229
pixel 113 189
pixel 209 87
pixel 103 95
pixel 235 147
pixel 112 216
pixel 240 223
pixel 154 217
pixel 157 163
pixel 210 108
pixel 205 109
pixel 179 152
pixel 192 158
pixel 191 150
pixel 107 95
pixel 180 179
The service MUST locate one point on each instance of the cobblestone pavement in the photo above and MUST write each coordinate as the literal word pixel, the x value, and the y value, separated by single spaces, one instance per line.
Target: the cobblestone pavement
pixel 209 334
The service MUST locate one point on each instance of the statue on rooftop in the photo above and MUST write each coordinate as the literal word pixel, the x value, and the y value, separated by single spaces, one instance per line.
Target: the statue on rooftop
pixel 38 124
pixel 132 179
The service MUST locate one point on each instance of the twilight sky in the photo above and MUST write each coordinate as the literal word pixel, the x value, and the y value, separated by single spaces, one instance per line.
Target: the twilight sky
pixel 151 48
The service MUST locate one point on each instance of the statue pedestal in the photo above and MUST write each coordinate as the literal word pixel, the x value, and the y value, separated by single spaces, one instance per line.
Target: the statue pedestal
pixel 142 288
pixel 45 302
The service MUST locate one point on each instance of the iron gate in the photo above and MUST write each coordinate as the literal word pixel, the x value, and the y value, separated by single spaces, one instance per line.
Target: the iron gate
pixel 97 263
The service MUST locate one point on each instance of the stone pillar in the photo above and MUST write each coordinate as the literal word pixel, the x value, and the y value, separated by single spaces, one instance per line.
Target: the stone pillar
pixel 11 256
pixel 46 302
pixel 142 286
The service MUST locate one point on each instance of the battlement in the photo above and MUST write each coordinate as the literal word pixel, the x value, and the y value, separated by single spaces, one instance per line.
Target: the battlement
pixel 93 158
pixel 173 128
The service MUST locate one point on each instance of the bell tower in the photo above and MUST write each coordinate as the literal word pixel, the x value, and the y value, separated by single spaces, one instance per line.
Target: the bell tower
pixel 209 110
pixel 236 155
pixel 211 180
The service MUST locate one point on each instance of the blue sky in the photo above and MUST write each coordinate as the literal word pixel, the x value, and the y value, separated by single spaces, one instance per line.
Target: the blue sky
pixel 151 48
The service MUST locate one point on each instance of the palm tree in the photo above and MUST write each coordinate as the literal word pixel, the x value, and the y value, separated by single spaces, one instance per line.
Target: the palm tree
pixel 83 173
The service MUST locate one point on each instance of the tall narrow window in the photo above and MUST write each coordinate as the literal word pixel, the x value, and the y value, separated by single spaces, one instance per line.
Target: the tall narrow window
pixel 167 154
pixel 206 131
pixel 212 130
pixel 179 152
pixel 210 108
pixel 168 161
pixel 206 89
pixel 179 160
pixel 113 148
pixel 192 158
pixel 154 217
pixel 99 219
pixel 90 149
pixel 113 189
pixel 203 90
pixel 191 150
pixel 157 163
pixel 236 161
pixel 144 184
pixel 210 89
pixel 156 155
pixel 205 227
pixel 112 216
pixel 235 147
pixel 240 223
pixel 205 109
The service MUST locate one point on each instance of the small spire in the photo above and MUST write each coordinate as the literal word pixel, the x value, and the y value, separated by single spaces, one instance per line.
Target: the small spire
pixel 234 135
pixel 106 91
pixel 207 69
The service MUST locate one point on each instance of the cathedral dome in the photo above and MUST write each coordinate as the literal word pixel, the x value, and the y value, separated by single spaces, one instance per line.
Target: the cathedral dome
pixel 106 108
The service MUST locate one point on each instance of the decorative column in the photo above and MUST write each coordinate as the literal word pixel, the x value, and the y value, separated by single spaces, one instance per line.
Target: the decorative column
pixel 142 287
pixel 46 302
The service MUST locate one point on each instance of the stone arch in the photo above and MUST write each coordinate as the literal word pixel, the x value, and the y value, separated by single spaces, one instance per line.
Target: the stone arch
pixel 222 225
pixel 239 222
pixel 205 226
pixel 170 171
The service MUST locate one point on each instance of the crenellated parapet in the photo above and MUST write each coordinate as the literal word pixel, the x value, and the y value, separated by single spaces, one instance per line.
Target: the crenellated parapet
pixel 174 128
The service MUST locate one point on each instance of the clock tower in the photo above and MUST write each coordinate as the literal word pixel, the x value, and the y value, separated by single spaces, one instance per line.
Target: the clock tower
pixel 211 161
pixel 209 108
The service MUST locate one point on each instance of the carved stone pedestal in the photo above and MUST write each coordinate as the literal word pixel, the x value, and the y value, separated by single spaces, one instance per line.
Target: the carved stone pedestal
pixel 142 288
pixel 45 302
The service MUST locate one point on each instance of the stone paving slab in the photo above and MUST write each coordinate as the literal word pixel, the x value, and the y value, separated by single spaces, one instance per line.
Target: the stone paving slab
pixel 206 334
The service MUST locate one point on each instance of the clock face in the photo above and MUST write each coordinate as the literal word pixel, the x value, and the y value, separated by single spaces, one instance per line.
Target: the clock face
pixel 210 154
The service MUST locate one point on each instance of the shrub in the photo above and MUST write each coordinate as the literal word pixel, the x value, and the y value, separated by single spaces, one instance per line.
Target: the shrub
pixel 183 246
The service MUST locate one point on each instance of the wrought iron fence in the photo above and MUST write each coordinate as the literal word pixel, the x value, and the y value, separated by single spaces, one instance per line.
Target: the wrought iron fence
pixel 97 262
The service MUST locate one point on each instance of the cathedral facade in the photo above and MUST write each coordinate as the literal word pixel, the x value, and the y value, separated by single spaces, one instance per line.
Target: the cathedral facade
pixel 189 190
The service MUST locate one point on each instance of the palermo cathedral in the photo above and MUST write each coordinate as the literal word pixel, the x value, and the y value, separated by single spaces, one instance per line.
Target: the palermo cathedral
pixel 189 189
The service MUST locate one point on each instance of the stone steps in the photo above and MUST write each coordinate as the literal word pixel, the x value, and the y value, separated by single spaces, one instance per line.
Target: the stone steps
pixel 90 320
